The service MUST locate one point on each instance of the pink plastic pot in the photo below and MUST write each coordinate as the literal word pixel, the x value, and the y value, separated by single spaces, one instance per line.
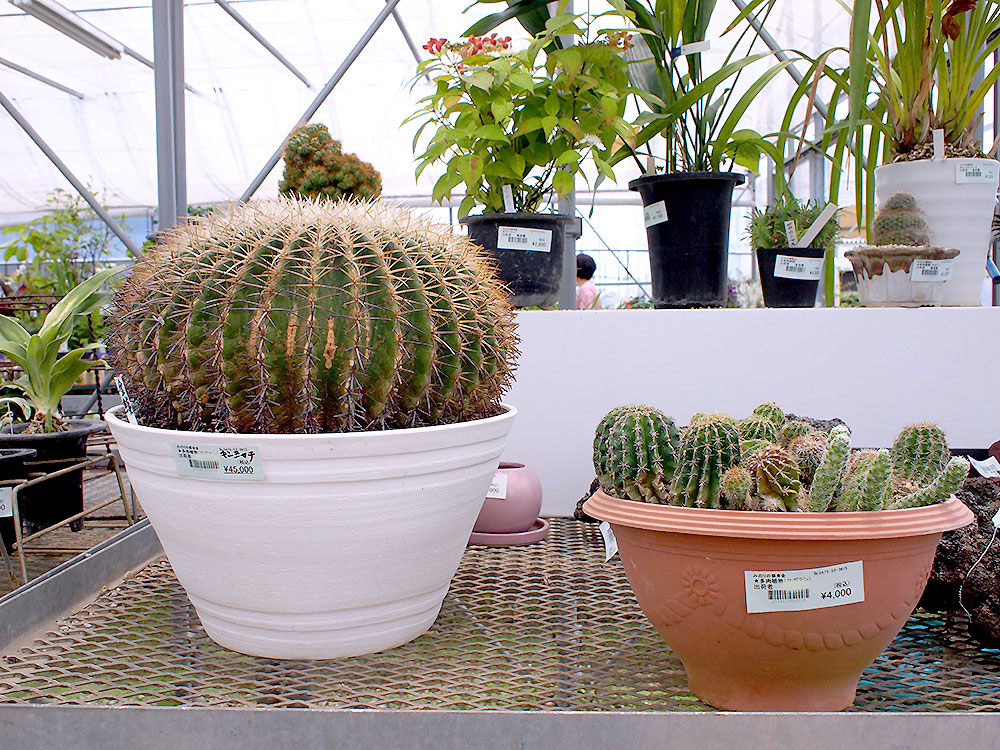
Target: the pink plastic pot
pixel 517 510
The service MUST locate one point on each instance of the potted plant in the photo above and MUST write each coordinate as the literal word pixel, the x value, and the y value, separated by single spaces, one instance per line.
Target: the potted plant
pixel 316 388
pixel 900 268
pixel 47 377
pixel 514 126
pixel 509 516
pixel 789 274
pixel 775 563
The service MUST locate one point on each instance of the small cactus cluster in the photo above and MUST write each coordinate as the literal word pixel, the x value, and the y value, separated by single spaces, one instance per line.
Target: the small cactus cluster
pixel 721 463
pixel 899 221
pixel 307 316
pixel 316 167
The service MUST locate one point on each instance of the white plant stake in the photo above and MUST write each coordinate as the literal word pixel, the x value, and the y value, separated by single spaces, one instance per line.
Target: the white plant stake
pixel 814 229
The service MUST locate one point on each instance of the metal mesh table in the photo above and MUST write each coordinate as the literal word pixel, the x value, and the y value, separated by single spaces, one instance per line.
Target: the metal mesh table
pixel 546 627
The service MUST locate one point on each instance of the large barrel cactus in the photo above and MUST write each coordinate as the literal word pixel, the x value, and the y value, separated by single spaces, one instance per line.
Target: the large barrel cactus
pixel 300 316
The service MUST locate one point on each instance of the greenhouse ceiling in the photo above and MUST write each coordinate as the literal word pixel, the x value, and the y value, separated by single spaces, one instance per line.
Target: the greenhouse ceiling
pixel 242 99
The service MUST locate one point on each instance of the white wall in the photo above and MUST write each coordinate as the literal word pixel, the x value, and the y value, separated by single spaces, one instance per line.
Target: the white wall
pixel 877 369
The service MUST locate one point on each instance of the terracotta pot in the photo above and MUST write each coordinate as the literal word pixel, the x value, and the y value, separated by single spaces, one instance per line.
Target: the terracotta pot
pixel 517 510
pixel 688 568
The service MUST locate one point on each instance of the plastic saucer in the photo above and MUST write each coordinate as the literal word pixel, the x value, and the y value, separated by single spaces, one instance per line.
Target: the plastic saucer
pixel 538 531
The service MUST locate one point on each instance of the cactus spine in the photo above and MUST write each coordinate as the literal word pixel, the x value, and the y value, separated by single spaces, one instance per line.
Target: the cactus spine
pixel 791 430
pixel 735 488
pixel 757 427
pixel 635 450
pixel 826 481
pixel 867 486
pixel 808 451
pixel 709 447
pixel 312 316
pixel 900 222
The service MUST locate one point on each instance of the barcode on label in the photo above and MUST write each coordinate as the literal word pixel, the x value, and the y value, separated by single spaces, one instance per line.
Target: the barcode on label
pixel 931 270
pixel 239 463
pixel 781 595
pixel 194 463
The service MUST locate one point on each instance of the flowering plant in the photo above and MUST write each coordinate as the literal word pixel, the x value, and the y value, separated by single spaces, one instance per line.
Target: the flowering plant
pixel 524 119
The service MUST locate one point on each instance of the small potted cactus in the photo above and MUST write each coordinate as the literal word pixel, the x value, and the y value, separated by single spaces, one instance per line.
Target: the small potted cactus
pixel 316 417
pixel 900 268
pixel 776 563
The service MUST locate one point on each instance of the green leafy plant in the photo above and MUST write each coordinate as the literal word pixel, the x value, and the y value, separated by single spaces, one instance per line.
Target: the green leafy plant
pixel 47 377
pixel 767 225
pixel 316 166
pixel 527 120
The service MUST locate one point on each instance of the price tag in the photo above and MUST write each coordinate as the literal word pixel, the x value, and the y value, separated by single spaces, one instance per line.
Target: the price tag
pixel 6 502
pixel 812 588
pixel 931 270
pixel 126 399
pixel 508 199
pixel 692 48
pixel 791 234
pixel 988 468
pixel 793 267
pixel 610 543
pixel 215 462
pixel 655 213
pixel 967 172
pixel 498 487
pixel 517 238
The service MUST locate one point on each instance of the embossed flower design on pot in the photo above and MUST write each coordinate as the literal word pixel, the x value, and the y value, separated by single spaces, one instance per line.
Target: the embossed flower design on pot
pixel 699 585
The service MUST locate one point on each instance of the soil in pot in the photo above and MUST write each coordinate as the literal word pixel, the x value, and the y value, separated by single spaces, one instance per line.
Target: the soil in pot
pixel 789 277
pixel 11 470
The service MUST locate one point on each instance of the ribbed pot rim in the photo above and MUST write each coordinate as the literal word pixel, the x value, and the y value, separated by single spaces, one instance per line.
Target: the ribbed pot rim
pixel 881 524
pixel 78 428
pixel 479 218
pixel 734 177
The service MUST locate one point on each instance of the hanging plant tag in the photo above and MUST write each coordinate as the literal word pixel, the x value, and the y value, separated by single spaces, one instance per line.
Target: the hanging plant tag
pixel 791 234
pixel 937 138
pixel 498 487
pixel 610 543
pixel 126 399
pixel 988 468
pixel 812 588
pixel 508 199
pixel 6 502
pixel 214 462
pixel 969 172
pixel 931 270
pixel 793 267
pixel 655 213
pixel 520 238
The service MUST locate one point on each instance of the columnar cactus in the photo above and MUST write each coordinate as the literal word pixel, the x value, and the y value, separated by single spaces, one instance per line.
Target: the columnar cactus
pixel 770 410
pixel 777 476
pixel 867 486
pixel 709 446
pixel 635 450
pixel 943 486
pixel 829 474
pixel 919 454
pixel 312 316
pixel 757 427
pixel 808 451
pixel 900 222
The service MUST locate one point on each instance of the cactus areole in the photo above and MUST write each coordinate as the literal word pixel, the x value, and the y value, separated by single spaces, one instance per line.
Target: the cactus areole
pixel 312 316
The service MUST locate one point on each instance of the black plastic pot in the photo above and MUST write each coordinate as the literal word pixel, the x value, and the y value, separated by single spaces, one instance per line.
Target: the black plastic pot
pixel 50 502
pixel 12 469
pixel 689 249
pixel 531 275
pixel 785 292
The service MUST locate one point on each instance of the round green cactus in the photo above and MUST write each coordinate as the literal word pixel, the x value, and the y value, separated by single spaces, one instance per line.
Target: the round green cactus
pixel 312 316
pixel 900 222
pixel 770 410
pixel 709 446
pixel 791 430
pixel 735 488
pixel 635 450
pixel 757 427
pixel 919 454
pixel 777 475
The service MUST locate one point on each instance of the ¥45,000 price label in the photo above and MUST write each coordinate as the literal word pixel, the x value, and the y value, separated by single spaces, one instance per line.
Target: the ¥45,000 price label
pixel 218 462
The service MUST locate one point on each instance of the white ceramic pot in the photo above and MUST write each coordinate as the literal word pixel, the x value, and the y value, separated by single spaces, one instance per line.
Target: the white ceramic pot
pixel 886 277
pixel 958 197
pixel 345 545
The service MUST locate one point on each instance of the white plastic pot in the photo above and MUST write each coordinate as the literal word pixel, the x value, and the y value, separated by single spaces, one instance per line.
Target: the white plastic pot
pixel 345 545
pixel 958 197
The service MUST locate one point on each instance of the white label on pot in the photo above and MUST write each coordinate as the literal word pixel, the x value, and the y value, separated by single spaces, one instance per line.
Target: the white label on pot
pixel 967 172
pixel 498 487
pixel 6 502
pixel 791 234
pixel 812 588
pixel 126 399
pixel 610 543
pixel 693 48
pixel 508 199
pixel 655 213
pixel 931 270
pixel 793 267
pixel 988 468
pixel 215 462
pixel 521 238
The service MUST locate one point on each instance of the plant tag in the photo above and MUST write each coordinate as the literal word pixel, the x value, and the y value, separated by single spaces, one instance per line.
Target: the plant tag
pixel 814 229
pixel 937 137
pixel 610 543
pixel 6 502
pixel 520 238
pixel 126 399
pixel 988 468
pixel 508 199
pixel 498 487
pixel 968 172
pixel 931 270
pixel 655 213
pixel 791 234
pixel 812 588
pixel 693 48
pixel 793 267
pixel 214 462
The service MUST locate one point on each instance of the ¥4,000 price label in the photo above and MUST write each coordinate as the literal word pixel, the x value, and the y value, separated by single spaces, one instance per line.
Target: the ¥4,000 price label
pixel 523 238
pixel 6 502
pixel 794 267
pixel 215 462
pixel 931 270
pixel 812 588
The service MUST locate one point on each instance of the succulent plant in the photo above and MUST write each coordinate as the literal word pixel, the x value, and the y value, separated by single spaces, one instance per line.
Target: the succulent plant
pixel 919 453
pixel 312 316
pixel 777 476
pixel 709 446
pixel 829 474
pixel 735 488
pixel 791 430
pixel 866 486
pixel 943 486
pixel 808 451
pixel 635 452
pixel 748 447
pixel 770 410
pixel 316 167
pixel 899 221
pixel 757 427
